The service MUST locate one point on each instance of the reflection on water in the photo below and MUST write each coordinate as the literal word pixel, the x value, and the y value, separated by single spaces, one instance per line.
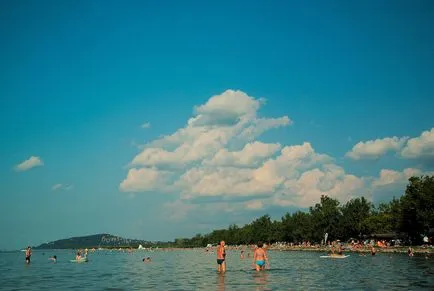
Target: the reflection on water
pixel 220 281
pixel 261 280
pixel 196 270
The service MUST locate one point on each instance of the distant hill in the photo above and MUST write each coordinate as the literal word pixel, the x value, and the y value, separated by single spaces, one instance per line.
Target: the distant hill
pixel 103 240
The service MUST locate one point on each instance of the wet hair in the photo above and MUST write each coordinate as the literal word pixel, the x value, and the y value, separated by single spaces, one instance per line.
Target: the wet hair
pixel 55 257
pixel 260 244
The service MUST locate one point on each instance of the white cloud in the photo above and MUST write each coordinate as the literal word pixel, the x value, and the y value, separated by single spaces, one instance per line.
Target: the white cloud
pixel 217 161
pixel 146 125
pixel 226 109
pixel 251 155
pixel 227 118
pixel 145 179
pixel 420 147
pixel 29 164
pixel 66 187
pixel 329 179
pixel 373 149
pixel 389 177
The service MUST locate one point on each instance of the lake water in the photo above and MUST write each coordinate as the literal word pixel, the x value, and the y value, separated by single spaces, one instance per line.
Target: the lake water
pixel 195 270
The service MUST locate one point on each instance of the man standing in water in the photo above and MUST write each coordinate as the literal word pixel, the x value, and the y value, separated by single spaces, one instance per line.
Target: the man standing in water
pixel 260 257
pixel 28 254
pixel 221 256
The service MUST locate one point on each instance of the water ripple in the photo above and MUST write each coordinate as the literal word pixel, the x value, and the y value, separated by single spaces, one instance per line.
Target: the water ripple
pixel 195 270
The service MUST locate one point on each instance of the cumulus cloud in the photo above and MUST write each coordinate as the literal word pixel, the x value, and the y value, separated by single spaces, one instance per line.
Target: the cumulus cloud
pixel 226 109
pixel 146 125
pixel 58 187
pixel 29 164
pixel 251 155
pixel 217 159
pixel 198 162
pixel 390 177
pixel 420 147
pixel 373 149
pixel 227 118
pixel 145 179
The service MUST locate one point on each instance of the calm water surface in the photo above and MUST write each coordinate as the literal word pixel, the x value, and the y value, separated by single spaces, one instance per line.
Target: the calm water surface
pixel 195 270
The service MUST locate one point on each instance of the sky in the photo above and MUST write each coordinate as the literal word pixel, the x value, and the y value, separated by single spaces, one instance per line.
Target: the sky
pixel 157 120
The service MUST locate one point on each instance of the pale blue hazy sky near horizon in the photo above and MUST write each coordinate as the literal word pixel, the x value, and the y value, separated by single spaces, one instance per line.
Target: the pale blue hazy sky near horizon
pixel 79 78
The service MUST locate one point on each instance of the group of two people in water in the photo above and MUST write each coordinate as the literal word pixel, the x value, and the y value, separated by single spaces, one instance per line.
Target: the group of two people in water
pixel 260 258
pixel 29 254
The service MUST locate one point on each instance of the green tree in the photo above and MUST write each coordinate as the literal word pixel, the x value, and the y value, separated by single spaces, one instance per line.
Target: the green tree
pixel 384 219
pixel 262 228
pixel 303 227
pixel 417 207
pixel 354 214
pixel 326 216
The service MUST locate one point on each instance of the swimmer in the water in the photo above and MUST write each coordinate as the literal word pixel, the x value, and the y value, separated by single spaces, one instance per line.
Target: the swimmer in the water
pixel 260 257
pixel 373 251
pixel 53 258
pixel 410 252
pixel 146 260
pixel 78 256
pixel 242 254
pixel 28 254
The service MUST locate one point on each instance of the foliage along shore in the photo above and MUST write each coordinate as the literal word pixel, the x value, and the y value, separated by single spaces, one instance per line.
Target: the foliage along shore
pixel 409 218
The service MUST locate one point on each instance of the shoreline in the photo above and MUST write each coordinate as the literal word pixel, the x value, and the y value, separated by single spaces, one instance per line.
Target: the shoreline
pixel 389 250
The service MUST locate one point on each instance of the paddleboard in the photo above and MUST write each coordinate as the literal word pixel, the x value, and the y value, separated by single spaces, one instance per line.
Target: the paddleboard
pixel 84 260
pixel 334 257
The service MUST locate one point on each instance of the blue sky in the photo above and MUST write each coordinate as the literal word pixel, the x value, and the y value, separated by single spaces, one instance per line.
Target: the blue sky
pixel 349 91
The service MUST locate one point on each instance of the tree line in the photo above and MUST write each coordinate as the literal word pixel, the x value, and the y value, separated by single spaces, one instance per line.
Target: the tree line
pixel 411 216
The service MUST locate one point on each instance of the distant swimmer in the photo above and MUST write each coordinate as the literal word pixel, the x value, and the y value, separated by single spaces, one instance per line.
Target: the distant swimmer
pixel 78 256
pixel 28 254
pixel 146 260
pixel 410 252
pixel 53 258
pixel 260 257
pixel 242 254
pixel 373 251
pixel 221 257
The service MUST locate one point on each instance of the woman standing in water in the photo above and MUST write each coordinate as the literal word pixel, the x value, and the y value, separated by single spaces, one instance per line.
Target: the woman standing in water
pixel 260 257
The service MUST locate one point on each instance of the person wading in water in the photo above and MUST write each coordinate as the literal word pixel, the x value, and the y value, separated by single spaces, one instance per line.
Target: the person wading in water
pixel 221 256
